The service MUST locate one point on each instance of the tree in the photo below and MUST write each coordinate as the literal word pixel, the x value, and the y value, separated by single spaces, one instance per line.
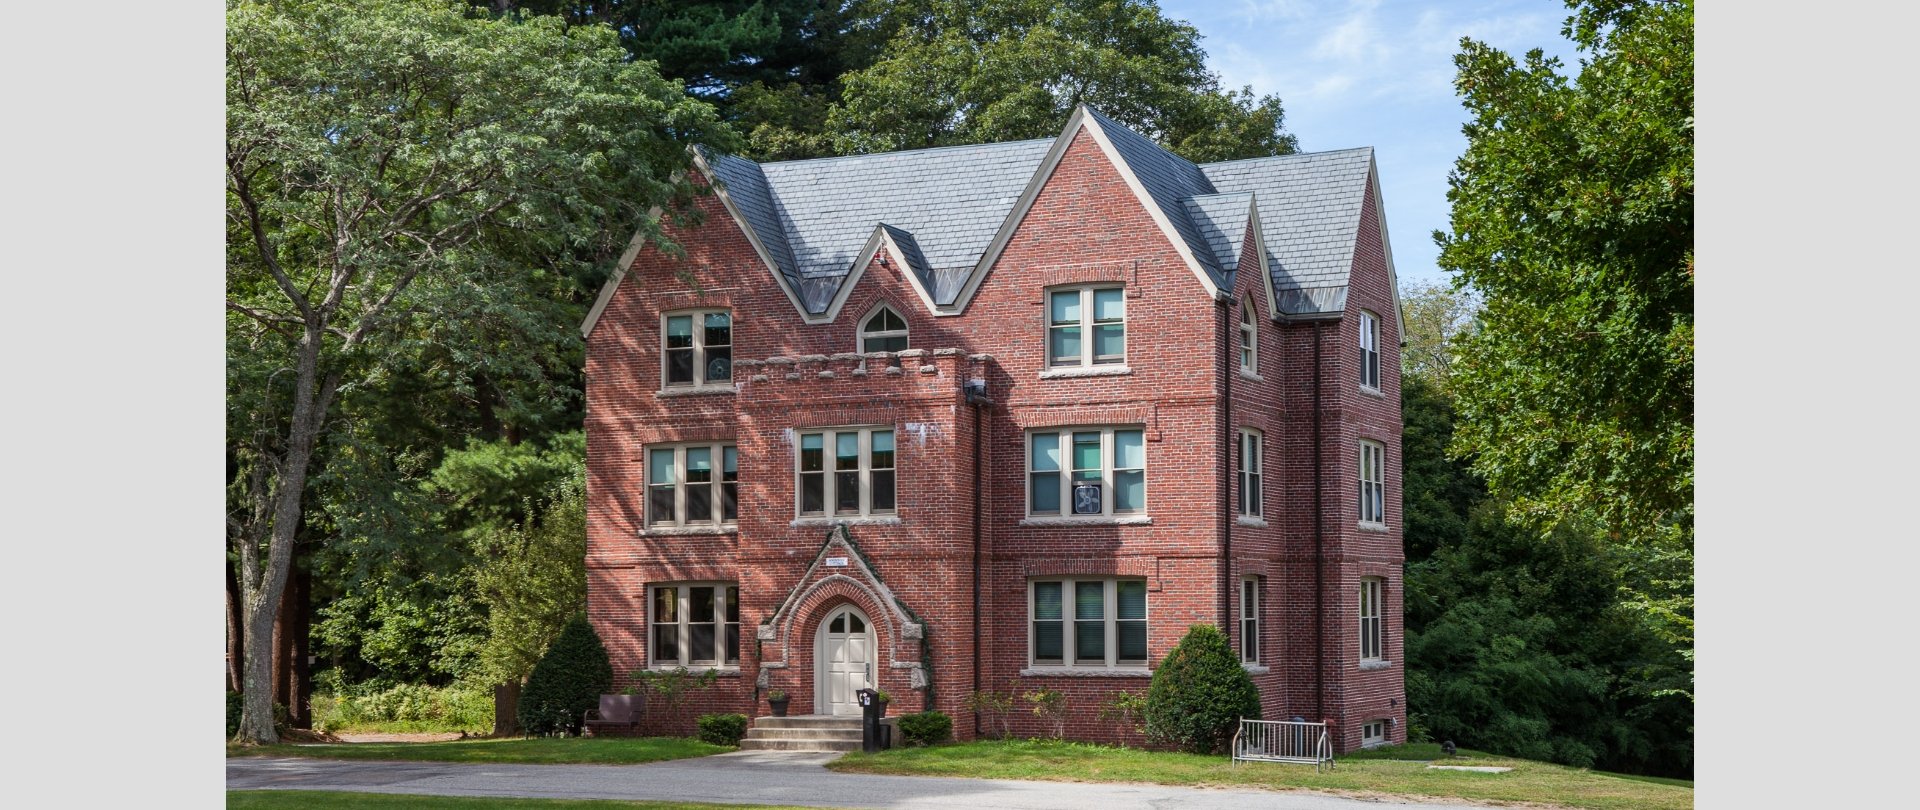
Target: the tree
pixel 1436 316
pixel 568 680
pixel 1199 693
pixel 956 72
pixel 1572 218
pixel 391 166
pixel 532 577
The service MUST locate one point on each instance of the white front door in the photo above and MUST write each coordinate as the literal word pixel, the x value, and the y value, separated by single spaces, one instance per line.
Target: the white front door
pixel 845 661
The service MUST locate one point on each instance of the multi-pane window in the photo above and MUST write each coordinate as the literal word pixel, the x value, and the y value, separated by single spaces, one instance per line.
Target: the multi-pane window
pixel 1089 622
pixel 1373 482
pixel 1369 350
pixel 696 625
pixel 695 484
pixel 1251 467
pixel 1086 326
pixel 698 348
pixel 1249 339
pixel 1087 472
pixel 848 471
pixel 883 331
pixel 1373 732
pixel 1250 620
pixel 1370 624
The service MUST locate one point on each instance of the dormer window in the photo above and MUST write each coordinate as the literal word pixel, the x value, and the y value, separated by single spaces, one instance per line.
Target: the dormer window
pixel 883 331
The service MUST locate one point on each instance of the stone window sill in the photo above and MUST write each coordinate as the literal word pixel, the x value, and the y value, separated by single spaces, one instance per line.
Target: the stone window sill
pixel 1069 372
pixel 1373 392
pixel 698 391
pixel 1369 666
pixel 1122 520
pixel 723 672
pixel 1255 669
pixel 1087 672
pixel 688 531
pixel 1251 376
pixel 1251 520
pixel 1366 526
pixel 872 520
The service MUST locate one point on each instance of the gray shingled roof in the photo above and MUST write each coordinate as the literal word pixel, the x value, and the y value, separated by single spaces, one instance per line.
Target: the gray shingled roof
pixel 943 207
pixel 1309 217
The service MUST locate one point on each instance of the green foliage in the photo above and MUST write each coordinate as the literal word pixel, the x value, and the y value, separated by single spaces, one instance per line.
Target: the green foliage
pixel 530 579
pixel 1199 693
pixel 995 706
pixel 1439 492
pixel 958 72
pixel 407 707
pixel 234 704
pixel 1572 217
pixel 926 728
pixel 566 682
pixel 1128 710
pixel 723 729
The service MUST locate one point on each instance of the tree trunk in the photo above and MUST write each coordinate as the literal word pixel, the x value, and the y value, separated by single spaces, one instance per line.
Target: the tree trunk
pixel 291 684
pixel 236 650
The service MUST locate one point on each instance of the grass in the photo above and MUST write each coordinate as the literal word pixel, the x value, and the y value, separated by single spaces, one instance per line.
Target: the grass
pixel 1379 772
pixel 536 751
pixel 330 800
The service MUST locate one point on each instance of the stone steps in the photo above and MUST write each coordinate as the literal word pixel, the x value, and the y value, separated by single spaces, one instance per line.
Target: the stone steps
pixel 803 733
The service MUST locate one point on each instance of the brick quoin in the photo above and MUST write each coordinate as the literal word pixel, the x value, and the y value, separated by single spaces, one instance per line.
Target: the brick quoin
pixel 1085 224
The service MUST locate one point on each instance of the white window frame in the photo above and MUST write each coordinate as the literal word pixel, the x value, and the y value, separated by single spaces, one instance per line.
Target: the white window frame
pixel 1373 483
pixel 1373 733
pixel 1373 625
pixel 717 503
pixel 683 610
pixel 699 317
pixel 1109 616
pixel 1369 351
pixel 1064 435
pixel 863 335
pixel 1086 324
pixel 1249 338
pixel 1250 620
pixel 1252 472
pixel 829 497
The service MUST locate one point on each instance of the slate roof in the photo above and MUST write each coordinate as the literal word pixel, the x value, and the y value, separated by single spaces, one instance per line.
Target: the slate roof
pixel 943 206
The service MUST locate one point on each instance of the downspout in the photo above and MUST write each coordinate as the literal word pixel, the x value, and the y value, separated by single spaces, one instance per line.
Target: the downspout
pixel 979 403
pixel 1319 539
pixel 1226 467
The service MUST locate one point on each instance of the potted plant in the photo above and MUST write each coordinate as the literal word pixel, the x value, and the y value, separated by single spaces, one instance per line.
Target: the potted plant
pixel 777 699
pixel 880 700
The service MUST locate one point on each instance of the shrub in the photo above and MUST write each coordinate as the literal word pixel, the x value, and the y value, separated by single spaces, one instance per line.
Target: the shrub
pixel 1126 709
pixel 723 729
pixel 994 705
pixel 926 728
pixel 405 707
pixel 1050 705
pixel 235 703
pixel 568 680
pixel 1199 693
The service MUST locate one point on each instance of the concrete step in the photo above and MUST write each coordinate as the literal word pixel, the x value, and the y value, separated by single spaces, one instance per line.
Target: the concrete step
pixel 758 733
pixel 807 721
pixel 751 744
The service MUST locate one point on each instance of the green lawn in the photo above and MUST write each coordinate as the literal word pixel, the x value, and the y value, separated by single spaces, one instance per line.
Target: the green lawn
pixel 540 750
pixel 328 800
pixel 1380 772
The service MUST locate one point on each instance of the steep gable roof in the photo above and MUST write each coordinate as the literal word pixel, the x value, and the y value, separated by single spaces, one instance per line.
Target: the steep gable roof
pixel 945 213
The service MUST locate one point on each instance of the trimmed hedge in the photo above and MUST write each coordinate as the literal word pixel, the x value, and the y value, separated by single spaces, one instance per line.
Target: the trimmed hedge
pixel 1199 694
pixel 723 729
pixel 568 680
pixel 926 728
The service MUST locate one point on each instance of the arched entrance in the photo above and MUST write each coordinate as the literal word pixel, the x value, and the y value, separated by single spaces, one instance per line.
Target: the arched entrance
pixel 844 654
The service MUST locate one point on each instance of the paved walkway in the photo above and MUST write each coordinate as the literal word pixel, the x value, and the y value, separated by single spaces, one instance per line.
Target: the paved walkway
pixel 755 777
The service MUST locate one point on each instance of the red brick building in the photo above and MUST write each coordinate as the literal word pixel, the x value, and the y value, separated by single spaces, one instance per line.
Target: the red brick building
pixel 1006 417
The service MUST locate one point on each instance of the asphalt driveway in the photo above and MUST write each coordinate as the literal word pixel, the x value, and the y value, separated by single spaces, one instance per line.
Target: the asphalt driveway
pixel 754 777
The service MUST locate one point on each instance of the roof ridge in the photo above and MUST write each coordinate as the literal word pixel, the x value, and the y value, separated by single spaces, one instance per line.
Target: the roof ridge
pixel 1288 155
pixel 919 151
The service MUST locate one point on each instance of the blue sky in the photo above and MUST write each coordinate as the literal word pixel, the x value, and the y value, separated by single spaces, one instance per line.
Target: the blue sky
pixel 1373 73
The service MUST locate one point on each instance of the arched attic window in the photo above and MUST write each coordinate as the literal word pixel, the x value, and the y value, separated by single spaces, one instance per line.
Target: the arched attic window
pixel 883 331
pixel 1249 338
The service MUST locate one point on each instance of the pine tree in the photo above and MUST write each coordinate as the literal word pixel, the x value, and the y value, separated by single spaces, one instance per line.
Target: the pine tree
pixel 567 682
